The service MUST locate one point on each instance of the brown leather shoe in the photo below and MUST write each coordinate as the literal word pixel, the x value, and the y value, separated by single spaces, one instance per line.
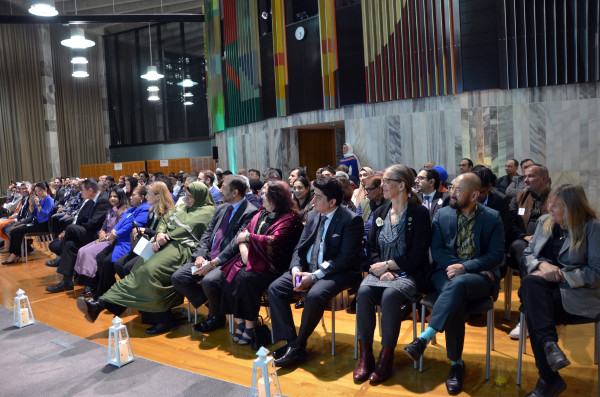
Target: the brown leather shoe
pixel 384 367
pixel 366 362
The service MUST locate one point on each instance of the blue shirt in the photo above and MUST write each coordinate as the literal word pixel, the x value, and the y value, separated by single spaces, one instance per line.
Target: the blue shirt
pixel 47 205
pixel 319 273
pixel 216 194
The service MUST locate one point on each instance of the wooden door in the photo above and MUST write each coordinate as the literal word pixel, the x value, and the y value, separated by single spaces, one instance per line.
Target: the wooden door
pixel 317 149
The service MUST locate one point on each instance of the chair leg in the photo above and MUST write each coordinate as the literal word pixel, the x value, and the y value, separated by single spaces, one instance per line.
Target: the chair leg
pixel 422 330
pixel 521 348
pixel 507 293
pixel 596 347
pixel 333 327
pixel 379 320
pixel 356 334
pixel 231 324
pixel 490 322
pixel 189 312
pixel 414 324
pixel 524 330
pixel 492 328
pixel 195 315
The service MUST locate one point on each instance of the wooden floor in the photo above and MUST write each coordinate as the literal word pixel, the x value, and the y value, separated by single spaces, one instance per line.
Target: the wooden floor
pixel 216 355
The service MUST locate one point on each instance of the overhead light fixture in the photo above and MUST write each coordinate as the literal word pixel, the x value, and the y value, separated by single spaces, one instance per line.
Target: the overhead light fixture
pixel 80 70
pixel 153 97
pixel 79 60
pixel 153 88
pixel 77 40
pixel 187 82
pixel 152 71
pixel 188 95
pixel 188 103
pixel 43 8
pixel 152 74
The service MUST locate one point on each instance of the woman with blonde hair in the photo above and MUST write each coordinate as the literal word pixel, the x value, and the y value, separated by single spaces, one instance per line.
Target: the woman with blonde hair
pixel 562 285
pixel 360 194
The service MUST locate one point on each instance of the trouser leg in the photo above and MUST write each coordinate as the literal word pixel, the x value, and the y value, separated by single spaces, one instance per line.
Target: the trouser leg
pixel 188 285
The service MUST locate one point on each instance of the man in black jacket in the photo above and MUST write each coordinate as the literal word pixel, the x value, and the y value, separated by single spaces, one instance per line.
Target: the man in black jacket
pixel 427 184
pixel 217 246
pixel 325 262
pixel 82 231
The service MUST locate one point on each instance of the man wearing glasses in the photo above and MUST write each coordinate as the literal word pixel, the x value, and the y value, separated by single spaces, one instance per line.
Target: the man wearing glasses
pixel 468 248
pixel 427 184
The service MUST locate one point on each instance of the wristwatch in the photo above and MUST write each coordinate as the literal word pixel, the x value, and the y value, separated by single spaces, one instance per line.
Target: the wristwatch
pixel 314 278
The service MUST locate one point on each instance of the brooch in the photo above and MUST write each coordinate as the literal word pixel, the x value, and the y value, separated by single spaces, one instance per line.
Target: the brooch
pixel 379 222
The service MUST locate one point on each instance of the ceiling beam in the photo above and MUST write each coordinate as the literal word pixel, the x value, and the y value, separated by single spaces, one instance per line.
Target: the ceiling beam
pixel 119 18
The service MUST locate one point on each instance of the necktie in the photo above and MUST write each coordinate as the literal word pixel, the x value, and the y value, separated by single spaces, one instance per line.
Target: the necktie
pixel 216 247
pixel 314 255
pixel 426 202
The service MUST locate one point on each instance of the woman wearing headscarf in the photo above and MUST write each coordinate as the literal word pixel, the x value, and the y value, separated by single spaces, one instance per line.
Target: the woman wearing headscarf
pixel 148 287
pixel 360 194
pixel 350 160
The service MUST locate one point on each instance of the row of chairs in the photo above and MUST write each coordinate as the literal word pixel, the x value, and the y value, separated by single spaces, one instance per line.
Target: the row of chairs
pixel 42 238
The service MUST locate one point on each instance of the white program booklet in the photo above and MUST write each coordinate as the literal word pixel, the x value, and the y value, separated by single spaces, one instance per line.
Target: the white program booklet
pixel 144 248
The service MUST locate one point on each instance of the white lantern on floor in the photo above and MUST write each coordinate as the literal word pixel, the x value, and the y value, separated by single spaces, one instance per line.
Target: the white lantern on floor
pixel 264 376
pixel 22 314
pixel 119 346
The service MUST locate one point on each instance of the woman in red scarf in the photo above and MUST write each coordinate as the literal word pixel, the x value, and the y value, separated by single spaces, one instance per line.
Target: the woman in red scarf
pixel 266 246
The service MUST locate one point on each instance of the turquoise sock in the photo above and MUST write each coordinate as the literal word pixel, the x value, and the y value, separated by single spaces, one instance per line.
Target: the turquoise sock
pixel 428 334
pixel 460 362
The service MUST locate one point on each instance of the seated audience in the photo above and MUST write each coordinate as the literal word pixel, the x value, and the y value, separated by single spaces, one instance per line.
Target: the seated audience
pixel 130 184
pixel 490 197
pixel 209 178
pixel 398 249
pixel 427 184
pixel 326 261
pixel 517 183
pixel 18 217
pixel 562 285
pixel 510 168
pixel 360 193
pixel 347 190
pixel 83 230
pixel 40 207
pixel 303 195
pixel 265 250
pixel 468 248
pixel 148 287
pixel 217 245
pixel 295 174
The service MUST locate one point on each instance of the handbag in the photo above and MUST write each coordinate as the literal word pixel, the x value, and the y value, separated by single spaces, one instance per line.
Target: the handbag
pixel 261 334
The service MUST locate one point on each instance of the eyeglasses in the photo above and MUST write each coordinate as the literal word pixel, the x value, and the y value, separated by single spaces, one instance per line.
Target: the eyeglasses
pixel 369 189
pixel 386 181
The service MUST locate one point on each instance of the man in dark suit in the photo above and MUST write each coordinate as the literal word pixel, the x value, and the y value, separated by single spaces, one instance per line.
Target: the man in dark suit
pixel 217 246
pixel 326 261
pixel 427 183
pixel 468 248
pixel 82 231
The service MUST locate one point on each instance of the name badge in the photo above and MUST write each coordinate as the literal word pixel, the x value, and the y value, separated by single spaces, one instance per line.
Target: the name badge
pixel 521 211
pixel 440 202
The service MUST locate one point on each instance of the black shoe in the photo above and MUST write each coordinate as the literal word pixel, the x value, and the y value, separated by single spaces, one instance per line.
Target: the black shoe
pixel 555 357
pixel 60 287
pixel 281 351
pixel 415 348
pixel 299 304
pixel 294 355
pixel 90 308
pixel 87 292
pixel 210 324
pixel 161 328
pixel 454 381
pixel 53 262
pixel 543 389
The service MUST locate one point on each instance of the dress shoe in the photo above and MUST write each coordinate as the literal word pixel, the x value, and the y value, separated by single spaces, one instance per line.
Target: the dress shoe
pixel 543 389
pixel 210 324
pixel 280 352
pixel 60 287
pixel 299 304
pixel 161 328
pixel 454 381
pixel 383 370
pixel 11 262
pixel 366 362
pixel 87 292
pixel 293 355
pixel 90 308
pixel 53 262
pixel 415 348
pixel 555 357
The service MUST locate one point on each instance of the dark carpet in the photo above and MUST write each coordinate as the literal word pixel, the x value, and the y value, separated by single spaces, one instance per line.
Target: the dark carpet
pixel 42 361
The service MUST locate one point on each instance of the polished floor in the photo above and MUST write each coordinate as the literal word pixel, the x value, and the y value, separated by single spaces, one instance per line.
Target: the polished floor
pixel 216 355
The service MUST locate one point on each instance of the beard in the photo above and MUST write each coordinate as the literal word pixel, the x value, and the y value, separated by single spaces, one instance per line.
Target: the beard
pixel 456 204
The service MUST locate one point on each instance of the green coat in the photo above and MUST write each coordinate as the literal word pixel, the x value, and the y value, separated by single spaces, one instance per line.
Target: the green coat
pixel 148 287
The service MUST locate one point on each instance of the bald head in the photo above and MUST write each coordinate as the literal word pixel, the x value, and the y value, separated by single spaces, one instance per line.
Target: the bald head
pixel 465 192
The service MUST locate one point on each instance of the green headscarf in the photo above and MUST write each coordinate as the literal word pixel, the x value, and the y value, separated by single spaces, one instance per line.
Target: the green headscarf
pixel 187 224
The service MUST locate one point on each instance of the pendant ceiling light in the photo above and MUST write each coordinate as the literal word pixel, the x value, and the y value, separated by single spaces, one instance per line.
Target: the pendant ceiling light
pixel 153 93
pixel 77 40
pixel 187 82
pixel 152 71
pixel 43 8
pixel 80 70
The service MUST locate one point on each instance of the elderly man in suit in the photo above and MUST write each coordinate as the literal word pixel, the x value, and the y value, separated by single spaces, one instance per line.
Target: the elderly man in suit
pixel 427 183
pixel 217 246
pixel 82 231
pixel 467 247
pixel 325 262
